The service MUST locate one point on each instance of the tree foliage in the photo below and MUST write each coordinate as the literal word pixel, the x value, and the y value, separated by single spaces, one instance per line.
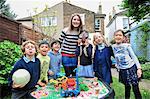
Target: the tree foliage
pixel 136 9
pixel 5 9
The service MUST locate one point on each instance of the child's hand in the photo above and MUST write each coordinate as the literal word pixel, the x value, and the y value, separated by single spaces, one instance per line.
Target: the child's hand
pixel 51 73
pixel 16 86
pixel 86 42
pixel 79 42
pixel 46 81
pixel 41 84
pixel 139 72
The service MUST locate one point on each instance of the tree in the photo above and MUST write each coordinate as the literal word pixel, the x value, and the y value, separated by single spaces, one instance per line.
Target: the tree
pixel 5 9
pixel 136 9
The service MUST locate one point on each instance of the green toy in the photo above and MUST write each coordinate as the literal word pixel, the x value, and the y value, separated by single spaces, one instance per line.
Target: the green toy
pixel 83 87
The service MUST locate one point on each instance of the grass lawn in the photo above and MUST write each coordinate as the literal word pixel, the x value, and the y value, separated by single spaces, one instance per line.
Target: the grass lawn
pixel 119 91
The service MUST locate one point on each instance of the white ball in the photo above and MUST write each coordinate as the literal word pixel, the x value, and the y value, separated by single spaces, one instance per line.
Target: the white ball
pixel 21 77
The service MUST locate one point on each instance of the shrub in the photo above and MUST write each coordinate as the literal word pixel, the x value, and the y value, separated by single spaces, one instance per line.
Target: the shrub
pixel 9 54
pixel 142 60
pixel 146 71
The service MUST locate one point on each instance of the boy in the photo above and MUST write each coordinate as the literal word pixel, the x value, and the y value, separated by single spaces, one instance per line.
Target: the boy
pixel 56 58
pixel 32 65
pixel 45 62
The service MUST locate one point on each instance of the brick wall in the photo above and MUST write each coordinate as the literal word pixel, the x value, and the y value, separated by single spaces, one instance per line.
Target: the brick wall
pixel 69 9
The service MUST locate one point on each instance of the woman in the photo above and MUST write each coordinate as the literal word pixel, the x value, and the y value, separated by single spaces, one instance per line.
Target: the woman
pixel 69 41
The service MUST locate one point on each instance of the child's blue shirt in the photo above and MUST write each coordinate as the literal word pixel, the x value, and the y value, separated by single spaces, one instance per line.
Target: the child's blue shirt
pixel 56 62
pixel 124 55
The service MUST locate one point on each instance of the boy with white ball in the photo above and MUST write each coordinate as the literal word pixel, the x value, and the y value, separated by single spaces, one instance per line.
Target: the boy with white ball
pixel 27 67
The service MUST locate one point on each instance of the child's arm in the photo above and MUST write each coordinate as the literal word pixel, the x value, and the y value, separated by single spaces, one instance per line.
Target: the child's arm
pixel 95 63
pixel 78 51
pixel 133 56
pixel 111 51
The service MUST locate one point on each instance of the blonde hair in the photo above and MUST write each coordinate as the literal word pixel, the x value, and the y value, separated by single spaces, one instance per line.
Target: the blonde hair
pixel 104 40
pixel 71 27
pixel 27 42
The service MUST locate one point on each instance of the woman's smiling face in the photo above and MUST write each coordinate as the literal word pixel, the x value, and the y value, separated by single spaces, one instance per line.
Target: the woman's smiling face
pixel 76 21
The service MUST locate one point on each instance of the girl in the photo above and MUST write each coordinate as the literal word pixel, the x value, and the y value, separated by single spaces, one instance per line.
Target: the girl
pixel 102 58
pixel 69 42
pixel 56 58
pixel 128 64
pixel 84 51
pixel 32 65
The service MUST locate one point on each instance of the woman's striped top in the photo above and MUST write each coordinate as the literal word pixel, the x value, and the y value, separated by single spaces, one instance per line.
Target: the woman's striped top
pixel 69 41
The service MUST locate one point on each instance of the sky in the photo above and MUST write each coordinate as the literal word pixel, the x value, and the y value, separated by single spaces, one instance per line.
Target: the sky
pixel 24 8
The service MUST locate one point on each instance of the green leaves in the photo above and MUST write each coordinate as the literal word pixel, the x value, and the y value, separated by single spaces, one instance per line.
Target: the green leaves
pixel 137 9
pixel 5 9
pixel 9 54
pixel 146 71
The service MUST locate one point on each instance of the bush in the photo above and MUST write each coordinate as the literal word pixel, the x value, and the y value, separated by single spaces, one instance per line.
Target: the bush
pixel 9 54
pixel 146 71
pixel 142 60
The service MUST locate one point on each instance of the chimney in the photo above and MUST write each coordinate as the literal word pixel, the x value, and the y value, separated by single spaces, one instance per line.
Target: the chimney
pixel 113 11
pixel 110 16
pixel 68 1
pixel 99 8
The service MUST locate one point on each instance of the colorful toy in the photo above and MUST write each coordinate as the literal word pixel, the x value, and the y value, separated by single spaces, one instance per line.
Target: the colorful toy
pixel 84 87
pixel 73 92
pixel 21 77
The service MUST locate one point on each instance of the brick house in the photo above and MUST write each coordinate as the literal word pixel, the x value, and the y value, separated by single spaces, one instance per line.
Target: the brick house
pixel 52 20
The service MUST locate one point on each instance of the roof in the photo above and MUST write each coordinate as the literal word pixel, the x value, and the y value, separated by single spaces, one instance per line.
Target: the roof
pixel 122 13
pixel 29 18
pixel 3 16
pixel 100 15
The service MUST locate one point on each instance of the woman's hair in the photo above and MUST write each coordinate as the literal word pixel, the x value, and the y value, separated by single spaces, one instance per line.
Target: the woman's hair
pixel 71 27
pixel 27 42
pixel 104 40
pixel 119 30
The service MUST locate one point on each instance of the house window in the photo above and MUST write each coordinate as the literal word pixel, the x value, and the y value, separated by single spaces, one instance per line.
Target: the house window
pixel 97 24
pixel 49 21
pixel 82 18
pixel 125 23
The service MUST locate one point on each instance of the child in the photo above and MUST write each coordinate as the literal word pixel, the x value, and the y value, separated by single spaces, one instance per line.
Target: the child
pixel 32 65
pixel 84 51
pixel 128 64
pixel 69 42
pixel 45 62
pixel 102 58
pixel 56 58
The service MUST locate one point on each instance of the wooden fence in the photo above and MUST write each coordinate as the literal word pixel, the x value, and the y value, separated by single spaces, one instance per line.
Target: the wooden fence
pixel 16 32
